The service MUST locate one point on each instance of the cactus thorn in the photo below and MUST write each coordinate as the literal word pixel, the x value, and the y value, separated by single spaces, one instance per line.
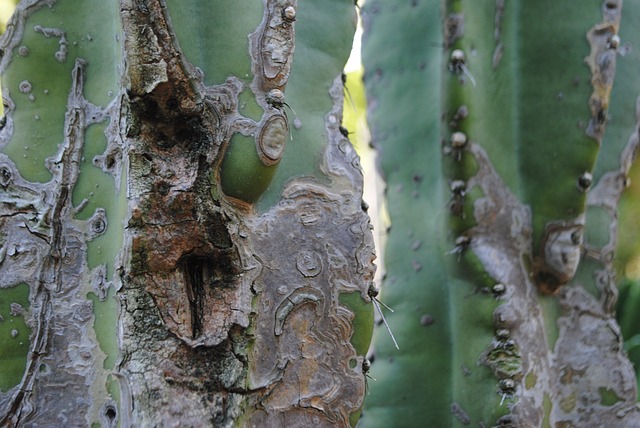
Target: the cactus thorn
pixel 373 294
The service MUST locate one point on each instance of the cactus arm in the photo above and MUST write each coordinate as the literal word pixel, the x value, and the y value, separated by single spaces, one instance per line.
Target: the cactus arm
pixel 533 96
pixel 306 94
pixel 542 95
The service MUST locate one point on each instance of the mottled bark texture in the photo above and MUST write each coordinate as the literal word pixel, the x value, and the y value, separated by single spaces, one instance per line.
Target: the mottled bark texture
pixel 227 315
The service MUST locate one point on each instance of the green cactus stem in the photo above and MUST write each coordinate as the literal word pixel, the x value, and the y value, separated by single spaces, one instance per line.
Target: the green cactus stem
pixel 496 259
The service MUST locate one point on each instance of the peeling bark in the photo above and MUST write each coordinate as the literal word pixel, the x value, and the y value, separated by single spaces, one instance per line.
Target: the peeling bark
pixel 585 374
pixel 604 40
pixel 301 359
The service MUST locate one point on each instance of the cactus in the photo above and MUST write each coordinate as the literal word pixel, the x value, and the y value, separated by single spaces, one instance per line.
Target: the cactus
pixel 182 236
pixel 182 233
pixel 505 144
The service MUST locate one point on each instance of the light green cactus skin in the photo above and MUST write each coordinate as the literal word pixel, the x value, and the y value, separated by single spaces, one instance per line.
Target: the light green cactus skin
pixel 526 88
pixel 14 347
pixel 418 285
pixel 242 173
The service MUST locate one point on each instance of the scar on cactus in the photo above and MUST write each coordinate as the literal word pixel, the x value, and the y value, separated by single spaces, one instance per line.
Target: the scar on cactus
pixel 561 253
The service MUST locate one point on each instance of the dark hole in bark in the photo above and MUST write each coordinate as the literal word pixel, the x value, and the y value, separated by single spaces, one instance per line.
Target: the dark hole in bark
pixel 110 413
pixel 547 282
pixel 5 176
pixel 98 226
pixel 602 116
pixel 185 135
pixel 217 231
pixel 163 188
pixel 110 162
pixel 172 104
pixel 164 142
pixel 196 272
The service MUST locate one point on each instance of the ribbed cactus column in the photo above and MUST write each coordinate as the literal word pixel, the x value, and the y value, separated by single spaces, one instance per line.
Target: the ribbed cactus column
pixel 183 239
pixel 498 259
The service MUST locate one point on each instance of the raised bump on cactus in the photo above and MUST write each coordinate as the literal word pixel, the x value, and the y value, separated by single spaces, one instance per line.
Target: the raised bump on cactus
pixel 560 255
